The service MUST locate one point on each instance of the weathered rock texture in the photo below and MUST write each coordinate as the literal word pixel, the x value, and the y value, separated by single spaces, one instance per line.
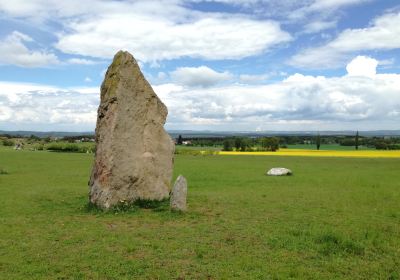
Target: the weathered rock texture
pixel 179 194
pixel 279 171
pixel 134 154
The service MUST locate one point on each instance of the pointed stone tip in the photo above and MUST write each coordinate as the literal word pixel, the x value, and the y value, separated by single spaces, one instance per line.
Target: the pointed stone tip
pixel 123 53
pixel 122 57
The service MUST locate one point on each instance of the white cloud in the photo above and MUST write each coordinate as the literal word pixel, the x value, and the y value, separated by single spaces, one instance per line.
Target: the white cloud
pixel 319 5
pixel 34 106
pixel 362 66
pixel 13 50
pixel 382 34
pixel 298 102
pixel 250 79
pixel 324 7
pixel 88 79
pixel 319 25
pixel 159 39
pixel 82 61
pixel 151 30
pixel 199 76
pixel 293 9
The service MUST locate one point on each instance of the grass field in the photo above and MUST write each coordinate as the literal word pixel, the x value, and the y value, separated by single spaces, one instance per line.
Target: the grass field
pixel 335 218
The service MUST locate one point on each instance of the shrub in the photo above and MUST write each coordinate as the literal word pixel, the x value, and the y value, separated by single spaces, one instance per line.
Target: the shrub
pixel 70 147
pixel 7 142
pixel 195 152
pixel 347 142
pixel 3 171
pixel 38 146
pixel 381 146
pixel 394 147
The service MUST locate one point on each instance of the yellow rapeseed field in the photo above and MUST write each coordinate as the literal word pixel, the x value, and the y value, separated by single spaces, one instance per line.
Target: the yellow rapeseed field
pixel 322 153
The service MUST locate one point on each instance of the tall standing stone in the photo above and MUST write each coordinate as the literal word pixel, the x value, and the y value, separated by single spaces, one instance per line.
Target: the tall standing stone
pixel 134 154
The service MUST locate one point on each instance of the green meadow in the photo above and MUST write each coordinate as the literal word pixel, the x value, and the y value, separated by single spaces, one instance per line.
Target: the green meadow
pixel 335 218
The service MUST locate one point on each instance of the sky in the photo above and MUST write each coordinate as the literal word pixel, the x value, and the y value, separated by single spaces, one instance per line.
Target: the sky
pixel 220 65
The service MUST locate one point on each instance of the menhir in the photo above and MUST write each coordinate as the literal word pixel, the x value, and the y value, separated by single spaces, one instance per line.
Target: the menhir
pixel 134 154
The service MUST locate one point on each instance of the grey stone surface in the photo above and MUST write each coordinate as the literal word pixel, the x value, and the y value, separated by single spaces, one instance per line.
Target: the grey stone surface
pixel 179 194
pixel 279 171
pixel 134 154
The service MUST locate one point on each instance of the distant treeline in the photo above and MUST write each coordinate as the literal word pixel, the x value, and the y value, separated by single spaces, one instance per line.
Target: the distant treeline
pixel 274 143
pixel 77 144
pixel 226 143
pixel 379 143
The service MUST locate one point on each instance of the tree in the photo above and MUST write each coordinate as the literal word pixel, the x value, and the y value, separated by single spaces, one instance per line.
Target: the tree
pixel 238 143
pixel 270 143
pixel 318 141
pixel 34 137
pixel 381 145
pixel 227 145
pixel 244 144
pixel 180 140
pixel 356 140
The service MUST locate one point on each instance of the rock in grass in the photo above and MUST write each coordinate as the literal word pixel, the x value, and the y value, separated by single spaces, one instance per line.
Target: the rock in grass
pixel 279 171
pixel 134 154
pixel 179 194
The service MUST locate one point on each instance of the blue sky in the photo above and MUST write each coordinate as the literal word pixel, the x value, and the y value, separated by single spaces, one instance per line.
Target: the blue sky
pixel 217 64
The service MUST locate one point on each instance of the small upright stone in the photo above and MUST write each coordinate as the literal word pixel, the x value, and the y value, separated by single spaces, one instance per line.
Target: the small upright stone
pixel 179 194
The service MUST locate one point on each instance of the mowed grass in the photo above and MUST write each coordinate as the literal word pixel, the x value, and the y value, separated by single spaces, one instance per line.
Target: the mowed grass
pixel 335 218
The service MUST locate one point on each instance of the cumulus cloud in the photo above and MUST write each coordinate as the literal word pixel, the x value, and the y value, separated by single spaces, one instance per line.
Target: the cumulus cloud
pixel 159 38
pixel 358 100
pixel 382 34
pixel 362 66
pixel 32 106
pixel 199 76
pixel 298 102
pixel 151 30
pixel 13 50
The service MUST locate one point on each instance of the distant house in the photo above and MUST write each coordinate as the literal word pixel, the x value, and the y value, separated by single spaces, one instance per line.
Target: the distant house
pixel 188 142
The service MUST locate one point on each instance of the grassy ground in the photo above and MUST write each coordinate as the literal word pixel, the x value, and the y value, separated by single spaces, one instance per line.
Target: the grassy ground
pixel 335 218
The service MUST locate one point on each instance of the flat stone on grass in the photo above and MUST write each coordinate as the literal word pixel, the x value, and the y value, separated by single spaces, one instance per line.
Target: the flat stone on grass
pixel 279 171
